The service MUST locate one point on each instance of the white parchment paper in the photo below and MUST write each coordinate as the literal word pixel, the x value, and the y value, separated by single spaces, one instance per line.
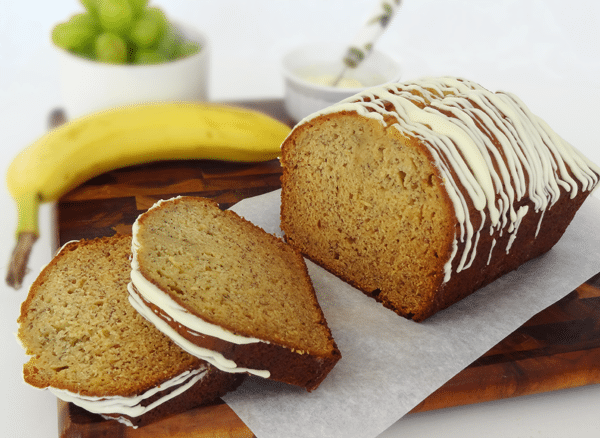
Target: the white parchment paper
pixel 389 364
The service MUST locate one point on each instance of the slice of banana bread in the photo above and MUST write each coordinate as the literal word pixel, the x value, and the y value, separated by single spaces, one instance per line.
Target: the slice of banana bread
pixel 230 293
pixel 90 347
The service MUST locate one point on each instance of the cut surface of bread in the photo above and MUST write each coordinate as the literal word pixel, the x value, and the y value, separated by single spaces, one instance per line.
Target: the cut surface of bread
pixel 88 343
pixel 422 192
pixel 252 290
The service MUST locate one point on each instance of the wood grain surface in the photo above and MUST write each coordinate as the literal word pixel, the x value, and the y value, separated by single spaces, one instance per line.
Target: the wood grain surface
pixel 557 348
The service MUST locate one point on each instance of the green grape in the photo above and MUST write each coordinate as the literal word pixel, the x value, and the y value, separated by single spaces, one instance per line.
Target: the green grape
pixel 149 57
pixel 131 50
pixel 157 15
pixel 86 20
pixel 146 31
pixel 169 42
pixel 79 31
pixel 90 5
pixel 138 6
pixel 62 36
pixel 88 51
pixel 110 48
pixel 187 48
pixel 115 15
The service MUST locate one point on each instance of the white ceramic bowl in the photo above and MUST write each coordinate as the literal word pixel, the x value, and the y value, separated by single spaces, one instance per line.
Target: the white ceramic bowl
pixel 305 68
pixel 88 86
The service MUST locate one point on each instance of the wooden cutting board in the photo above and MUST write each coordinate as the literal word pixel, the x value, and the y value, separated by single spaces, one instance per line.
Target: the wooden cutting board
pixel 557 348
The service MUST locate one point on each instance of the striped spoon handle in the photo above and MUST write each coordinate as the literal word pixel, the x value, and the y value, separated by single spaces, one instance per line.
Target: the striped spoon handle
pixel 365 39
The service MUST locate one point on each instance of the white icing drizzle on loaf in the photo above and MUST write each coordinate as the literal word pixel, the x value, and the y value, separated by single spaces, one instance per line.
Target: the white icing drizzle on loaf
pixel 538 161
pixel 213 357
pixel 131 406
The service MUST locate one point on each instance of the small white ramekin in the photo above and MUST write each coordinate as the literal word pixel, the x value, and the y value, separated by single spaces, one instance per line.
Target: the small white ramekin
pixel 304 97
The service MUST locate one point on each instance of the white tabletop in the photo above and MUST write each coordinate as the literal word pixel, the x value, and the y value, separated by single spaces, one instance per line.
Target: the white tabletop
pixel 546 52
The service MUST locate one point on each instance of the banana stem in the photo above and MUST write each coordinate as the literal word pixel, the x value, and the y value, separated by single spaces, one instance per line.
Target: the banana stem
pixel 20 256
pixel 27 234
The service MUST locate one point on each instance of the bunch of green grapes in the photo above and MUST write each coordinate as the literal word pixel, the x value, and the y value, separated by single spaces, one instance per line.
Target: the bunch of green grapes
pixel 122 32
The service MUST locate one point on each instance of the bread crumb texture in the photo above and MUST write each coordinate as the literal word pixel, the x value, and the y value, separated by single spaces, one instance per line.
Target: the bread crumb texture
pixel 373 203
pixel 82 332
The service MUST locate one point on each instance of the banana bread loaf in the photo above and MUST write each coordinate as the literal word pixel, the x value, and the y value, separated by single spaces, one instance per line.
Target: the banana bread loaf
pixel 422 192
pixel 230 293
pixel 90 346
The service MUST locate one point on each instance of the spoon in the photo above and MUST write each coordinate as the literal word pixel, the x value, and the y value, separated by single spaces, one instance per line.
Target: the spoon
pixel 364 41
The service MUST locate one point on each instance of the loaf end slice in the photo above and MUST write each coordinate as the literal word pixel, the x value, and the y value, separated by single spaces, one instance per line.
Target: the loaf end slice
pixel 88 344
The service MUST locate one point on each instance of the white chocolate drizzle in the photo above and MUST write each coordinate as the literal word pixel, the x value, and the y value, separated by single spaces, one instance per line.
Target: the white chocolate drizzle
pixel 455 119
pixel 131 406
pixel 213 357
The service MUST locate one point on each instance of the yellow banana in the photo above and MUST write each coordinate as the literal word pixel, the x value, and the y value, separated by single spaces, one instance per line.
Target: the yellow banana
pixel 83 148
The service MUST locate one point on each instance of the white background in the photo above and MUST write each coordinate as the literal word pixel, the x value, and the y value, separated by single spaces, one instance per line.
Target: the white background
pixel 545 51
